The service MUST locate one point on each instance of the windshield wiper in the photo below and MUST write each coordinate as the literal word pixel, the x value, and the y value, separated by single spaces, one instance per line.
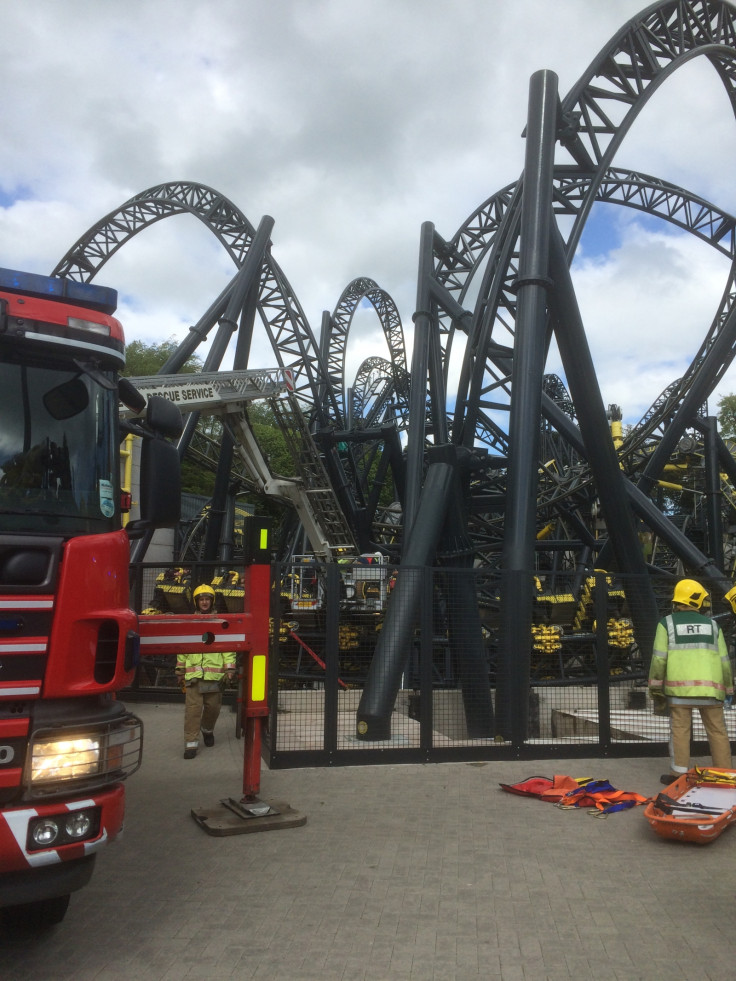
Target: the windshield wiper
pixel 95 375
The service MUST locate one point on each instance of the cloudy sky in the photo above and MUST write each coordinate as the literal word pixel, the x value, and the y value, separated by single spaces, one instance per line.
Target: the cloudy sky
pixel 350 122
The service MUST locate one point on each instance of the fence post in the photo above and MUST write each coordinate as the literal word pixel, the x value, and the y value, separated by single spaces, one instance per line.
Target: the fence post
pixel 332 655
pixel 274 663
pixel 426 652
pixel 602 660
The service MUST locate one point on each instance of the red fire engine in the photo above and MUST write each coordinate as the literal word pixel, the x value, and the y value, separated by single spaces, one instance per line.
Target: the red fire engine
pixel 68 638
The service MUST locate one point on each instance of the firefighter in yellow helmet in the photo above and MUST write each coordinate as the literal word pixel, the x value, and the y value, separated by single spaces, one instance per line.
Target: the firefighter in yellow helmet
pixel 691 669
pixel 203 673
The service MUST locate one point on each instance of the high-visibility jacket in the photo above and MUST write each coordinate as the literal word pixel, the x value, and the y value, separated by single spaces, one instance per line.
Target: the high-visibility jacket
pixel 205 665
pixel 690 658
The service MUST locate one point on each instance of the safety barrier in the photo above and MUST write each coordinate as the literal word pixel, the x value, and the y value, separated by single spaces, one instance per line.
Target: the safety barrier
pixel 587 691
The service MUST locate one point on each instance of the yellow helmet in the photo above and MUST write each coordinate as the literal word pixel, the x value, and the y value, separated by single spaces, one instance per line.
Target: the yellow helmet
pixel 690 593
pixel 204 590
pixel 730 597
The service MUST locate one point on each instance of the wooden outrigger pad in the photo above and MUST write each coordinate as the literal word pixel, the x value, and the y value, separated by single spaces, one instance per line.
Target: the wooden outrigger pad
pixel 233 817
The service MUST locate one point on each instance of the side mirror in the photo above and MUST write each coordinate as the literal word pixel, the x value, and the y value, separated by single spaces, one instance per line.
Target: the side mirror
pixel 164 417
pixel 130 396
pixel 160 470
pixel 160 489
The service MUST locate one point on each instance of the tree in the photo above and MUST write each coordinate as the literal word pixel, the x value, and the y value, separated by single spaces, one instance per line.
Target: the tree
pixel 727 415
pixel 271 440
pixel 143 359
pixel 146 359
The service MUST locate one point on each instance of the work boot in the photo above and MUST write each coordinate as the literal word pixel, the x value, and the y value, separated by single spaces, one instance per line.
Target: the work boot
pixel 190 751
pixel 208 737
pixel 668 778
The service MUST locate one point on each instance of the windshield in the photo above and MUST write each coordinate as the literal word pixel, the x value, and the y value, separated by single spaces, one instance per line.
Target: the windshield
pixel 58 455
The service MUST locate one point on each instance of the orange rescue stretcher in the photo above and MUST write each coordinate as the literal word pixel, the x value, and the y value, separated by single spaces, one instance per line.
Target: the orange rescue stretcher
pixel 697 807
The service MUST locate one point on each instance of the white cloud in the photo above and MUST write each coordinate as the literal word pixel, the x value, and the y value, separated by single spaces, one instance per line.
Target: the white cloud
pixel 647 307
pixel 351 122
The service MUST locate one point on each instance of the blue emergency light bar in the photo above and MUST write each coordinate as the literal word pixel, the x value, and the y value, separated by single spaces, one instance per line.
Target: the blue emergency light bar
pixel 102 298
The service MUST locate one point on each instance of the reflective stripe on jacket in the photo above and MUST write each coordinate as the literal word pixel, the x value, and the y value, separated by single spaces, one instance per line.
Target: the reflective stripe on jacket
pixel 690 658
pixel 205 665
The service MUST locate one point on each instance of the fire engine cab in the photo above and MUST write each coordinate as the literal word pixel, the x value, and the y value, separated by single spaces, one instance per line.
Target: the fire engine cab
pixel 68 638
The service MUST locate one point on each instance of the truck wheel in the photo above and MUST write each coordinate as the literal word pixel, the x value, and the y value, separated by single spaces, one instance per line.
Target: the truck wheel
pixel 36 916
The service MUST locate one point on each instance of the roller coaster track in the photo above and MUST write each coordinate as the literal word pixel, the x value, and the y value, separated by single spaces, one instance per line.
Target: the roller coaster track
pixel 482 260
pixel 381 391
pixel 286 326
pixel 478 238
pixel 335 335
pixel 598 113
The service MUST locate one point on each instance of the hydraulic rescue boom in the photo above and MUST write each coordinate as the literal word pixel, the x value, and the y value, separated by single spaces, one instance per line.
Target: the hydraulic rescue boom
pixel 227 394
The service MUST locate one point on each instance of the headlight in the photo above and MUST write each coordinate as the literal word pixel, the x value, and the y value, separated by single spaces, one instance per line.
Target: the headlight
pixel 65 828
pixel 99 756
pixel 78 825
pixel 44 832
pixel 64 759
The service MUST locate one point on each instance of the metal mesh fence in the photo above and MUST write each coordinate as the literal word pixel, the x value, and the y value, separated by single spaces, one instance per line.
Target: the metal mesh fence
pixel 427 657
pixel 373 664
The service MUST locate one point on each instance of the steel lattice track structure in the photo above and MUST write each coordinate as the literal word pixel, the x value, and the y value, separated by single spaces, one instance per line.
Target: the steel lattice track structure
pixel 482 260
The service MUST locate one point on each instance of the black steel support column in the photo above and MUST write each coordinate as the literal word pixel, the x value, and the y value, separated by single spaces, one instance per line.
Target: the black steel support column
pixel 226 544
pixel 720 354
pixel 242 299
pixel 725 460
pixel 645 509
pixel 465 631
pixel 599 449
pixel 680 544
pixel 466 643
pixel 418 384
pixel 197 333
pixel 713 492
pixel 512 698
pixel 394 641
pixel 426 637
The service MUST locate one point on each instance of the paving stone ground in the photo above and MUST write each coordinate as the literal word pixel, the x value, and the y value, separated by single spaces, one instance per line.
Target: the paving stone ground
pixel 417 873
